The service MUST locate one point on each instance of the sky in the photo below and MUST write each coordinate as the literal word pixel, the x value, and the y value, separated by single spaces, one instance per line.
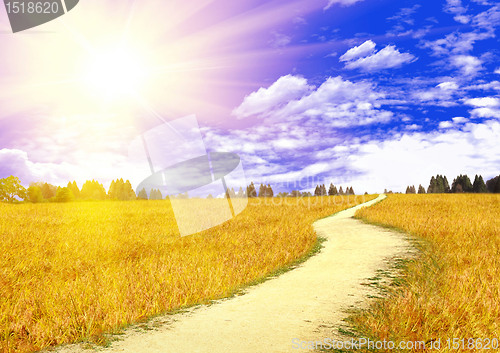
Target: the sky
pixel 374 94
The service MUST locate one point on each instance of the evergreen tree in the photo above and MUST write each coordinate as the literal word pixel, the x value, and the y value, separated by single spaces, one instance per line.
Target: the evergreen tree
pixel 142 195
pixel 407 190
pixel 421 189
pixel 341 191
pixel 269 191
pixel 446 185
pixel 74 189
pixel 331 189
pixel 317 191
pixel 432 186
pixel 251 192
pixel 464 182
pixel 240 192
pixel 479 186
pixel 323 190
pixel 127 192
pixel 493 185
pixel 262 190
pixel 93 190
pixel 439 184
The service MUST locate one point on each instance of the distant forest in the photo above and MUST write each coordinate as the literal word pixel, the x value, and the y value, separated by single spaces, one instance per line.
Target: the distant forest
pixel 439 185
pixel 11 190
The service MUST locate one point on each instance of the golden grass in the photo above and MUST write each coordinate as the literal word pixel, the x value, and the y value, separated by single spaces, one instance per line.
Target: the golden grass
pixel 452 290
pixel 74 271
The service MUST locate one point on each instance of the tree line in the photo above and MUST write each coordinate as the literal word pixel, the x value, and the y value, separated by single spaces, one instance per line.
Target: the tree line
pixel 11 190
pixel 462 183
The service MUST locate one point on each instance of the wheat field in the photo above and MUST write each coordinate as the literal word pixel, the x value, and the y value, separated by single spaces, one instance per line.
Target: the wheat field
pixel 75 271
pixel 452 289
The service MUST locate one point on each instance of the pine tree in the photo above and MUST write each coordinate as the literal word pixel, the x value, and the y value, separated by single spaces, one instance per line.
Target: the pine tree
pixel 421 189
pixel 331 190
pixel 262 190
pixel 439 184
pixel 74 189
pixel 464 182
pixel 142 195
pixel 323 190
pixel 492 184
pixel 432 186
pixel 479 186
pixel 270 192
pixel 93 190
pixel 251 192
pixel 317 191
pixel 446 185
pixel 407 190
pixel 341 191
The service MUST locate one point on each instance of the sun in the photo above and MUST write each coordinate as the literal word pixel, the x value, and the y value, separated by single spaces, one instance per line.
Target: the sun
pixel 115 73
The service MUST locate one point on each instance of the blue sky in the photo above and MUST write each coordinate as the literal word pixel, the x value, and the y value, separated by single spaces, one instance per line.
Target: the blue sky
pixel 370 93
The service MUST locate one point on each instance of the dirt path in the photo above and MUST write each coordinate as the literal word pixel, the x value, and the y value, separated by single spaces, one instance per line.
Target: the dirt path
pixel 307 303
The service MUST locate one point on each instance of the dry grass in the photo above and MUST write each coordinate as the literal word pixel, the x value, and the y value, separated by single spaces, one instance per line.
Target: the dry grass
pixel 452 290
pixel 74 271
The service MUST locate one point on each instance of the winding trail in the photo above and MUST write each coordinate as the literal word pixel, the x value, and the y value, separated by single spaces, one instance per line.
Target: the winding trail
pixel 307 303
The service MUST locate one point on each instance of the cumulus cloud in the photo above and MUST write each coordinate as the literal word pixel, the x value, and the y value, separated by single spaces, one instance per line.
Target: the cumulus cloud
pixel 497 71
pixel 467 64
pixel 460 120
pixel 336 102
pixel 483 102
pixel 414 157
pixel 16 162
pixel 365 58
pixel 360 51
pixel 284 90
pixel 445 124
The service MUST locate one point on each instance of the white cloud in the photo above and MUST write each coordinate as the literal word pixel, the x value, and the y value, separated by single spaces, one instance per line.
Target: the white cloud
pixel 497 71
pixel 462 19
pixel 284 90
pixel 445 124
pixel 456 43
pixel 483 102
pixel 16 162
pixel 411 159
pixel 460 120
pixel 389 57
pixel 341 2
pixel 486 113
pixel 448 86
pixel 467 64
pixel 360 51
pixel 337 102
